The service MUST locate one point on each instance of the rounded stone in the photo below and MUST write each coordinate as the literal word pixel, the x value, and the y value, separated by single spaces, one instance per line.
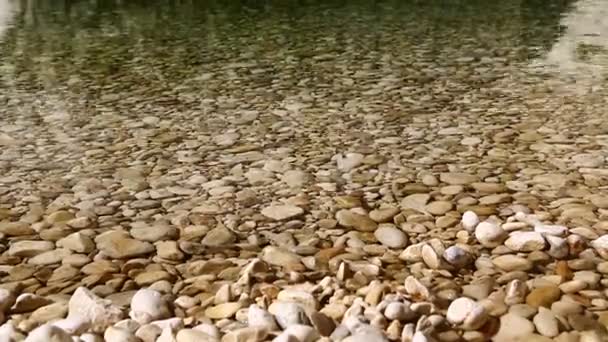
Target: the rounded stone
pixel 489 234
pixel 391 237
pixel 460 309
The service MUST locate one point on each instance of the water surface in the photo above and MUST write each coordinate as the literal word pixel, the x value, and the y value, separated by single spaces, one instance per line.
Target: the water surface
pixel 79 78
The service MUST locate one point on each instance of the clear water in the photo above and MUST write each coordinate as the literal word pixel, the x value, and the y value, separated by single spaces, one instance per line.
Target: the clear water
pixel 79 77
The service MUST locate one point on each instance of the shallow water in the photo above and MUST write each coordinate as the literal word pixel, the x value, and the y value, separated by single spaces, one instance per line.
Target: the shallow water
pixel 89 86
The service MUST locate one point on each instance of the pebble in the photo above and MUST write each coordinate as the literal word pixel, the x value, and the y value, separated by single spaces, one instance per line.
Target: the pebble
pixel 349 219
pixel 460 309
pixel 302 333
pixel 280 257
pixel 457 256
pixel 48 333
pixel 525 241
pixel 99 313
pixel 282 212
pixel 288 313
pixel 512 328
pixel 349 161
pixel 258 317
pixel 398 311
pixel 509 263
pixel 118 244
pixel 391 237
pixel 546 323
pixel 246 334
pixel 147 305
pixel 543 296
pixel 193 335
pixel 29 249
pixel 119 335
pixel 489 234
pixel 223 310
pixel 77 242
pixel 383 215
pixel 469 220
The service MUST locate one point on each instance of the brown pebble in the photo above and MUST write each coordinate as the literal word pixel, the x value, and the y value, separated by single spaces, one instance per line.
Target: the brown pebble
pixel 543 296
pixel 562 269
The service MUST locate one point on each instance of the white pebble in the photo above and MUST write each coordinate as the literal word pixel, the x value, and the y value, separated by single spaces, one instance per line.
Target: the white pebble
pixel 148 305
pixel 489 234
pixel 46 333
pixel 258 317
pixel 115 334
pixel 460 309
pixel 303 333
pixel 469 220
pixel 398 311
pixel 526 242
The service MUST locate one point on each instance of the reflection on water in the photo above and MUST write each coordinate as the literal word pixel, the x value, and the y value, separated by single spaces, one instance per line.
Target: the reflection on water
pixel 580 55
pixel 128 46
pixel 82 74
pixel 7 10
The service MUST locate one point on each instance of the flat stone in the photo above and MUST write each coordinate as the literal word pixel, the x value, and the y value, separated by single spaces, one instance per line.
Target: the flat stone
pixel 457 178
pixel 525 241
pixel 28 302
pixel 118 244
pixel 154 233
pixel 119 335
pixel 546 323
pixel 350 219
pixel 543 296
pixel 349 161
pixel 77 242
pixel 224 310
pixel 27 248
pixel 384 214
pixel 495 199
pixel 246 334
pixel 415 202
pixel 280 257
pixel 439 207
pixel 16 229
pixel 391 237
pixel 193 335
pixel 322 323
pixel 295 178
pixel 510 263
pixel 282 212
pixel 550 180
pixel 513 328
pixel 50 257
pixel 218 236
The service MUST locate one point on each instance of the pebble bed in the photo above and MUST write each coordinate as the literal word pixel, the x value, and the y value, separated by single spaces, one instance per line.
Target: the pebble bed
pixel 360 195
